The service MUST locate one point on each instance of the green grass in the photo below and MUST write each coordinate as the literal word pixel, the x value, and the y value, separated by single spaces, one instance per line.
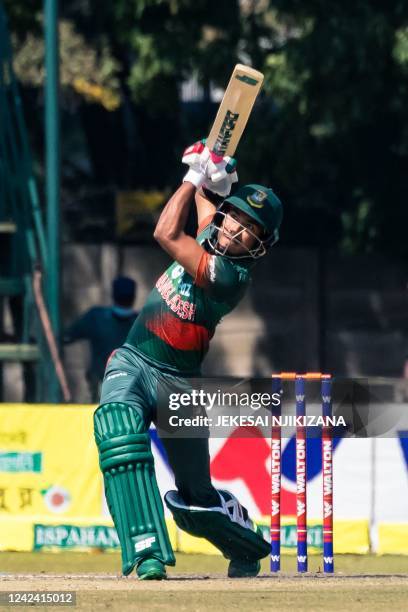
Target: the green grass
pixel 77 563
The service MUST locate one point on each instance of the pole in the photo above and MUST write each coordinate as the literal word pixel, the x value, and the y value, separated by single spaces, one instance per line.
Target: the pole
pixel 276 476
pixel 327 476
pixel 301 476
pixel 373 477
pixel 52 175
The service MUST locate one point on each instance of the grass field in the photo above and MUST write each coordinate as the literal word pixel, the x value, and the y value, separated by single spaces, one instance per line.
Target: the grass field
pixel 199 583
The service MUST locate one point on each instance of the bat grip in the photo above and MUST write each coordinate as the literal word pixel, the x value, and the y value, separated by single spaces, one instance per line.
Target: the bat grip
pixel 216 158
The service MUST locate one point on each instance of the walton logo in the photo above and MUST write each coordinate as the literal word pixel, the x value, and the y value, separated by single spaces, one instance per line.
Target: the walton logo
pixel 275 558
pixel 328 509
pixel 257 199
pixel 275 508
pixel 301 507
pixel 276 483
pixel 301 558
pixel 328 559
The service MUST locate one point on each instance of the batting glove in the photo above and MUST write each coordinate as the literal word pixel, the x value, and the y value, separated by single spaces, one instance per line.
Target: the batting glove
pixel 221 176
pixel 196 157
pixel 217 174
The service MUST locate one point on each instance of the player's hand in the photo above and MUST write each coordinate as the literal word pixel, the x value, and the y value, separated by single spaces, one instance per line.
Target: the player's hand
pixel 196 157
pixel 215 173
pixel 221 176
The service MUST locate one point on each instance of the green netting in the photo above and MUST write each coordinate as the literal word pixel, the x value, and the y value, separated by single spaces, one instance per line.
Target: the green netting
pixel 19 201
pixel 21 227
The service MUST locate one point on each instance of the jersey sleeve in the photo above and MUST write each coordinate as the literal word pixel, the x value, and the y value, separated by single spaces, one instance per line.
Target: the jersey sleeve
pixel 219 277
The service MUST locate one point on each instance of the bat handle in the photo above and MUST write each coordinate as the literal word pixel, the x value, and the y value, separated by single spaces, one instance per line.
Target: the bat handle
pixel 216 158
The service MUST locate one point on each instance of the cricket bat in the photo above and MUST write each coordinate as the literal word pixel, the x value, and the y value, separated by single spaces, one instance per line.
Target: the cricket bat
pixel 235 108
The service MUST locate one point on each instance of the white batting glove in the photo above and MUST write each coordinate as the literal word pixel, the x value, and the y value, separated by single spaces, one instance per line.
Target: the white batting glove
pixel 196 157
pixel 221 175
pixel 215 173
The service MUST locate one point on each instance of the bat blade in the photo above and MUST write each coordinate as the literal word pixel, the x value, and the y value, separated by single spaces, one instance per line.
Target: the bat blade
pixel 234 110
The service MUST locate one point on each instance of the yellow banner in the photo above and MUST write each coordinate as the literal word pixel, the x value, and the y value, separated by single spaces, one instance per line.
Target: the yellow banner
pixel 51 491
pixel 350 536
pixel 48 462
pixel 393 538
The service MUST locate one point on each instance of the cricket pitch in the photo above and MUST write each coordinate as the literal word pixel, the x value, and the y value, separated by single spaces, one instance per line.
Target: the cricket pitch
pixel 199 583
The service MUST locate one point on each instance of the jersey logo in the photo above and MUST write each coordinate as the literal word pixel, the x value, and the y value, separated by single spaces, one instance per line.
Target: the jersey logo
pixel 177 271
pixel 185 289
pixel 116 375
pixel 257 199
pixel 182 308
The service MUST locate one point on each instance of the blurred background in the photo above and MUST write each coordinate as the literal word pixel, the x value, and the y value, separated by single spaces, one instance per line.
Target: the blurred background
pixel 139 80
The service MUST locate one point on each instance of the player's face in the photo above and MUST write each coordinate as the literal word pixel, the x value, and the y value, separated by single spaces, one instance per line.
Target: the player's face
pixel 238 232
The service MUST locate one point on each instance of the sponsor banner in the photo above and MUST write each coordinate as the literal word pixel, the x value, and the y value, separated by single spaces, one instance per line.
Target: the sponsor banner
pixel 20 462
pixel 349 537
pixel 30 533
pixel 83 537
pixel 49 475
pixel 48 462
pixel 21 534
pixel 392 538
pixel 75 536
pixel 26 534
pixel 370 476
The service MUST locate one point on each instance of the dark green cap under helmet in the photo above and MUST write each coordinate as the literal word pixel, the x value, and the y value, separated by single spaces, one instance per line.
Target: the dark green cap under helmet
pixel 260 203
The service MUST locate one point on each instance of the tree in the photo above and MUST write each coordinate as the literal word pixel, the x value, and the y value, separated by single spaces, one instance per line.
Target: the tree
pixel 339 136
pixel 329 132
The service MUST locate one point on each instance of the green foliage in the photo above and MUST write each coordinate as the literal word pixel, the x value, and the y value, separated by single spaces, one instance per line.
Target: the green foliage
pixel 339 131
pixel 400 51
pixel 159 43
pixel 329 133
pixel 78 62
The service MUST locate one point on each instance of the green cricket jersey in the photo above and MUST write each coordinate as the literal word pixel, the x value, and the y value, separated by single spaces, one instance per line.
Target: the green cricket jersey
pixel 175 326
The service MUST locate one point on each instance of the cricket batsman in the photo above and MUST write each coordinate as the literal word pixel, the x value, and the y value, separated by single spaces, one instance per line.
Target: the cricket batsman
pixel 168 343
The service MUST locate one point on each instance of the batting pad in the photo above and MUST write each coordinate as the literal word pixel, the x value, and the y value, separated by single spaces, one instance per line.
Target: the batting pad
pixel 227 526
pixel 131 489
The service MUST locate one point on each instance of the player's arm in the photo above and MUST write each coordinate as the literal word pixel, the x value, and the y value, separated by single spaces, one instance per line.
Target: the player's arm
pixel 170 233
pixel 169 230
pixel 205 208
pixel 80 329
